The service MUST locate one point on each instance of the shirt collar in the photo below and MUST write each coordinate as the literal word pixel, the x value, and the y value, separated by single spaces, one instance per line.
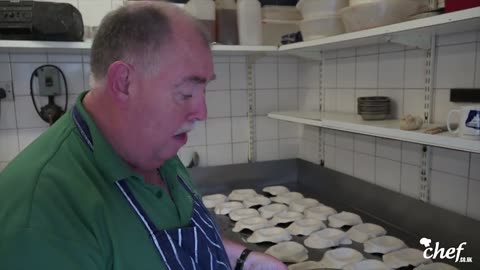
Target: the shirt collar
pixel 105 157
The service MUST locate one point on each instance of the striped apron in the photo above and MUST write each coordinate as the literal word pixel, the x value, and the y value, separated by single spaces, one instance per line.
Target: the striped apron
pixel 197 246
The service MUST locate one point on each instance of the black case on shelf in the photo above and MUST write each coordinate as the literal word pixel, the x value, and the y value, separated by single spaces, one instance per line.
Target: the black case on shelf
pixel 30 20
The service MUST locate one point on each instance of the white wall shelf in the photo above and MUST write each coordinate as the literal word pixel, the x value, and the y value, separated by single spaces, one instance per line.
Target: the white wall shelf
pixel 407 33
pixel 389 129
pixel 416 32
pixel 27 46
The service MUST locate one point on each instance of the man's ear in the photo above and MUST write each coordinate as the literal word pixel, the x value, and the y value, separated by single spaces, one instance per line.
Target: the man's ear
pixel 118 81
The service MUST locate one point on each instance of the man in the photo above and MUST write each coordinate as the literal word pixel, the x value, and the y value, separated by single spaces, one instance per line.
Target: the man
pixel 103 188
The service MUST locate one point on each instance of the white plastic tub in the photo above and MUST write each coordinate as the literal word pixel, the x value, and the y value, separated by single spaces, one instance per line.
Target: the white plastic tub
pixel 287 13
pixel 359 2
pixel 311 9
pixel 321 27
pixel 371 15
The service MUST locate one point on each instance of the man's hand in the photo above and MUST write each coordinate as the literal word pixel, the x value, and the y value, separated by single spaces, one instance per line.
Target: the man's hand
pixel 254 261
pixel 260 261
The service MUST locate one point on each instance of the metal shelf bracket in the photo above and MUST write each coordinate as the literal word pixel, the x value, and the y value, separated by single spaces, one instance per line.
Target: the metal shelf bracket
pixel 417 40
pixel 252 145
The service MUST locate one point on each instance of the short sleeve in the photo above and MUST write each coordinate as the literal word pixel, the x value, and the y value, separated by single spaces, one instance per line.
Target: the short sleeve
pixel 30 249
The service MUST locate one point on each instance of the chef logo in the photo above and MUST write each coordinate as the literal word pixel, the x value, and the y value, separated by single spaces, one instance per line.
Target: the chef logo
pixel 443 253
pixel 473 119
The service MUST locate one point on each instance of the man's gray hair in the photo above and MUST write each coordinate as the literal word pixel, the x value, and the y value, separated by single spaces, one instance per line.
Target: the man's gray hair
pixel 135 34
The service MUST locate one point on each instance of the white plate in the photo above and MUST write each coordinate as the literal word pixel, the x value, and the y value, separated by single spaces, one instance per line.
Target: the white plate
pixel 320 212
pixel 210 201
pixel 383 244
pixel 252 224
pixel 363 232
pixel 272 235
pixel 289 252
pixel 256 200
pixel 270 210
pixel 287 197
pixel 340 257
pixel 286 217
pixel 305 226
pixel 327 238
pixel 239 214
pixel 241 194
pixel 344 219
pixel 301 204
pixel 367 265
pixel 275 190
pixel 308 265
pixel 405 257
pixel 227 207
pixel 435 266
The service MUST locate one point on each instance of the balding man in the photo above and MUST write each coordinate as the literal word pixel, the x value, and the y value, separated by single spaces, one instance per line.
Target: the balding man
pixel 103 188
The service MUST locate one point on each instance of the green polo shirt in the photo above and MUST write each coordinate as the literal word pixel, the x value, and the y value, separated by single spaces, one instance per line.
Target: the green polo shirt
pixel 60 207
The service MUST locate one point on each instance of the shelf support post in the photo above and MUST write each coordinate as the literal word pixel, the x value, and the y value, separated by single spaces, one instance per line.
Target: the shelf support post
pixel 425 170
pixel 429 80
pixel 252 145
pixel 321 131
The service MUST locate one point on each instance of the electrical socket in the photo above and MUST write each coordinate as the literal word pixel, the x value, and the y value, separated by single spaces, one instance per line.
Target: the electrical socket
pixel 48 81
pixel 7 86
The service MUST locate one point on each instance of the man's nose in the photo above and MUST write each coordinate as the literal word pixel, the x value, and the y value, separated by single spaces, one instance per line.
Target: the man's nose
pixel 199 112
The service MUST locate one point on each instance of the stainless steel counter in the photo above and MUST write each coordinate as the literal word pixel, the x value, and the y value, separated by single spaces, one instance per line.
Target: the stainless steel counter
pixel 402 216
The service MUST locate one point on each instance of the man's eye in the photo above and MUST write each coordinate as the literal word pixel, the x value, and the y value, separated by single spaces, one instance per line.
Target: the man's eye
pixel 187 96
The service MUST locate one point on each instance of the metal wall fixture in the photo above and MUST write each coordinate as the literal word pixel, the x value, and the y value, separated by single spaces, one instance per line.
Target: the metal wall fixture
pixel 251 114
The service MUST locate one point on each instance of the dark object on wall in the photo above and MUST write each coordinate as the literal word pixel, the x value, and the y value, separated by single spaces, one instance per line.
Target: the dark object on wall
pixel 292 38
pixel 454 5
pixel 51 112
pixel 465 95
pixel 29 20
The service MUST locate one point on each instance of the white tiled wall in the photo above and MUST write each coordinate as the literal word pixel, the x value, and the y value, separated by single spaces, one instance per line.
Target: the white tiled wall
pixel 222 139
pixel 226 133
pixel 398 72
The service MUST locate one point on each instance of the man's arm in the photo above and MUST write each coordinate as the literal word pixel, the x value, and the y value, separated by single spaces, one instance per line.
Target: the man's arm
pixel 29 249
pixel 255 261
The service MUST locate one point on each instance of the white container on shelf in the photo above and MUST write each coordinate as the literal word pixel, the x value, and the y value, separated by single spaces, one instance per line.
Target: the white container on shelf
pixel 321 27
pixel 359 2
pixel 371 15
pixel 279 21
pixel 226 21
pixel 249 14
pixel 273 30
pixel 317 8
pixel 204 11
pixel 284 13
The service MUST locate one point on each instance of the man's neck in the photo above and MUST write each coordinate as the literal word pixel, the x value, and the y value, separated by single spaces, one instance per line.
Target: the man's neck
pixel 104 123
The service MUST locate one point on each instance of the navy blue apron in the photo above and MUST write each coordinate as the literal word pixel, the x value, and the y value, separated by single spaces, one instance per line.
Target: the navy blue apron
pixel 197 246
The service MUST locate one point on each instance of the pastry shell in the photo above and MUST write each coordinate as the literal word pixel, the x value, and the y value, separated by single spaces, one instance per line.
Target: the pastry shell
pixel 340 257
pixel 344 219
pixel 289 252
pixel 210 201
pixel 271 235
pixel 327 238
pixel 275 190
pixel 305 226
pixel 227 207
pixel 363 232
pixel 239 214
pixel 270 210
pixel 241 194
pixel 252 224
pixel 405 257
